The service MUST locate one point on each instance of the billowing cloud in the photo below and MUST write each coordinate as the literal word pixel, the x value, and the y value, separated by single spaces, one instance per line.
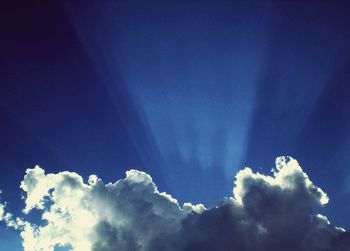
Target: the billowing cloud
pixel 277 212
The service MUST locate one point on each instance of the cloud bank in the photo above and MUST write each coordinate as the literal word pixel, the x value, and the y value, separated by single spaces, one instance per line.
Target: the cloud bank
pixel 277 212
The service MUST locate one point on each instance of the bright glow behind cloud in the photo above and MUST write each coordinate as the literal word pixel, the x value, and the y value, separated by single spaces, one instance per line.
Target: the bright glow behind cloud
pixel 265 213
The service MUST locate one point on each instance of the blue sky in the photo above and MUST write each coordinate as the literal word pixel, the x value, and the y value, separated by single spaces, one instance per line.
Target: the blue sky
pixel 188 92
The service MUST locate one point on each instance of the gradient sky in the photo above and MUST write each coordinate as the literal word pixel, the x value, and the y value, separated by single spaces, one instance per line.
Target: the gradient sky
pixel 188 92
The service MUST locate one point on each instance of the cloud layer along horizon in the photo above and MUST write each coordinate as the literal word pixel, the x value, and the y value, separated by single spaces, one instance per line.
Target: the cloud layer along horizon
pixel 277 212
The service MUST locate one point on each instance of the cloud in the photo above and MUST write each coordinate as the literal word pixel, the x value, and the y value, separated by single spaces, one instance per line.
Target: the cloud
pixel 275 212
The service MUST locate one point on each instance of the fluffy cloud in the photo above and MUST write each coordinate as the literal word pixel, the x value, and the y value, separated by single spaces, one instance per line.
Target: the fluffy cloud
pixel 275 212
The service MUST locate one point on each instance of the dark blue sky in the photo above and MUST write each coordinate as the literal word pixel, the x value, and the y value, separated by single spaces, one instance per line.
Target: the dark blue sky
pixel 189 93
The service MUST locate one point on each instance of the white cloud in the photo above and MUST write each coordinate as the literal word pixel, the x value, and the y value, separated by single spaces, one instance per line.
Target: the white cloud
pixel 264 213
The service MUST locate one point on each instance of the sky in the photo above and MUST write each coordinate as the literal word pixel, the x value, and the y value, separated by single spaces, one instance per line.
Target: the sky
pixel 188 92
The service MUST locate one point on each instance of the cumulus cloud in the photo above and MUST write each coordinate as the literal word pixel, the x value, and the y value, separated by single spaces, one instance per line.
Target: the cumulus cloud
pixel 277 212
